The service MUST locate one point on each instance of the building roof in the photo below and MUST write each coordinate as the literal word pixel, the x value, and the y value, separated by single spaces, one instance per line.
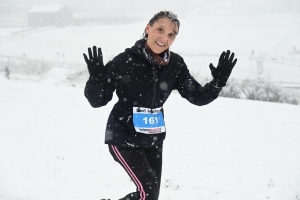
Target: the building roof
pixel 46 8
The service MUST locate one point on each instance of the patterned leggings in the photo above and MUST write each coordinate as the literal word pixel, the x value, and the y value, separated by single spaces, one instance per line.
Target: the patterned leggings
pixel 143 165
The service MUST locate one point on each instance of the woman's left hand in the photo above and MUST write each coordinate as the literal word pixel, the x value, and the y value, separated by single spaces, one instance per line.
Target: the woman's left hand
pixel 223 70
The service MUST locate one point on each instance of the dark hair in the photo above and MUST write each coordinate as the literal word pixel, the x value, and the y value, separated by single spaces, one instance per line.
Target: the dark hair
pixel 162 14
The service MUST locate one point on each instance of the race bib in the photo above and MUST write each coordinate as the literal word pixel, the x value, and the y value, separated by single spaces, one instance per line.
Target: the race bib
pixel 148 121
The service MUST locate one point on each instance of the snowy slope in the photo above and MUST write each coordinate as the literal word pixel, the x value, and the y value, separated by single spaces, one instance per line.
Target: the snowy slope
pixel 273 38
pixel 51 148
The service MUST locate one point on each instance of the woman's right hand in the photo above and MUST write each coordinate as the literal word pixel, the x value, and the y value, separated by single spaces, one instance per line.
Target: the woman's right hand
pixel 95 63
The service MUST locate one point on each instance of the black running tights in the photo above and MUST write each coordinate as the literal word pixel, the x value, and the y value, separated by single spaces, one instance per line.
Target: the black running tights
pixel 143 165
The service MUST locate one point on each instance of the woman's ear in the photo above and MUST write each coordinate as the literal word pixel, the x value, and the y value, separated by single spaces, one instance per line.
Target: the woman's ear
pixel 147 29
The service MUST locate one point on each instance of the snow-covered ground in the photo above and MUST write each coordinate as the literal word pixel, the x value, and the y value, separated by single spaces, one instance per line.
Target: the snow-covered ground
pixel 51 148
pixel 51 140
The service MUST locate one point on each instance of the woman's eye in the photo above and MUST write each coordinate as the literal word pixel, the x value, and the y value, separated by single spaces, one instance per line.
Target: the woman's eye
pixel 171 35
pixel 160 30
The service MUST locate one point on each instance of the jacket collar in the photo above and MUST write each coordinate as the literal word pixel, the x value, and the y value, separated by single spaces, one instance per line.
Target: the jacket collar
pixel 142 49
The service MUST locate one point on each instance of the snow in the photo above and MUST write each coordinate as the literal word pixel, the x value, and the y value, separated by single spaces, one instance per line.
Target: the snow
pixel 52 140
pixel 48 8
pixel 52 147
pixel 201 39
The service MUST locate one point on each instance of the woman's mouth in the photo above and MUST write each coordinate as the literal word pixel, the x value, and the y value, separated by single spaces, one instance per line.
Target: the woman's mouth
pixel 160 44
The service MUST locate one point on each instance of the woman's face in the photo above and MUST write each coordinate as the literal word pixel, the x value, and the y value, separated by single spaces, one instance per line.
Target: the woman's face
pixel 161 35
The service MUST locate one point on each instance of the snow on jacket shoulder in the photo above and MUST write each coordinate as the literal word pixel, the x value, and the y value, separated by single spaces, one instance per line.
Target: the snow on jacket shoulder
pixel 138 83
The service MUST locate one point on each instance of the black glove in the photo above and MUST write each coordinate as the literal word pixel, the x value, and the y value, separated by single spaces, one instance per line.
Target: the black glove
pixel 95 63
pixel 223 71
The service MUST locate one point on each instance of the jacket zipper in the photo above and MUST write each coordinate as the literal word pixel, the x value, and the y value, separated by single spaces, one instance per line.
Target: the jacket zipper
pixel 154 86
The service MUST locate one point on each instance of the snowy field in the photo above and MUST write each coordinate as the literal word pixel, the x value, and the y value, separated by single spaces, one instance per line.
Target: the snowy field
pixel 52 141
pixel 51 148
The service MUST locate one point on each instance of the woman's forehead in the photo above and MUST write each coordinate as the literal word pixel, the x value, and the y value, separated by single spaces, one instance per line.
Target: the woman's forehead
pixel 167 22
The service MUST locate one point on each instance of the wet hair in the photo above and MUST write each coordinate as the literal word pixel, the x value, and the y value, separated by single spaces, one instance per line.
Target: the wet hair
pixel 162 14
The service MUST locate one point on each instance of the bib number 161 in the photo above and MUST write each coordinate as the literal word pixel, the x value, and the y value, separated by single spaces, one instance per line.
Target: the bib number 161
pixel 150 120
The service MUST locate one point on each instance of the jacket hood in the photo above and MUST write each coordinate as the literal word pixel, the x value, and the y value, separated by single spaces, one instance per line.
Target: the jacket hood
pixel 138 49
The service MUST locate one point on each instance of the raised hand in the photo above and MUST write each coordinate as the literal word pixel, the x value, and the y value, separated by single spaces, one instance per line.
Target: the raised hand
pixel 223 70
pixel 95 63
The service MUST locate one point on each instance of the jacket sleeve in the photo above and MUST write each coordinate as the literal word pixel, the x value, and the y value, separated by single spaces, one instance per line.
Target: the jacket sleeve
pixel 100 91
pixel 191 90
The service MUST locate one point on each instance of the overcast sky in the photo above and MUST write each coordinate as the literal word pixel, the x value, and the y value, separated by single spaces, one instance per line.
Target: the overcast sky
pixel 138 7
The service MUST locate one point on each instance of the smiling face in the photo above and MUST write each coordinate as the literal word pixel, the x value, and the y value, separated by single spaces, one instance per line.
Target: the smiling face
pixel 161 34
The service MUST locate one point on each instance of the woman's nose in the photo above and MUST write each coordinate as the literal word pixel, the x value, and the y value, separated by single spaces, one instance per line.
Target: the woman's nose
pixel 165 38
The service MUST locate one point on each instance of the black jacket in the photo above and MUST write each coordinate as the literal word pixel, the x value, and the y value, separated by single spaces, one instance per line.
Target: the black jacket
pixel 141 84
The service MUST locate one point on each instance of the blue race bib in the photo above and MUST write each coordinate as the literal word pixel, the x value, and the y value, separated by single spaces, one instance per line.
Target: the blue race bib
pixel 148 121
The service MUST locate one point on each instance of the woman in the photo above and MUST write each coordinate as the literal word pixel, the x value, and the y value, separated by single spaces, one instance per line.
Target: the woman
pixel 143 77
